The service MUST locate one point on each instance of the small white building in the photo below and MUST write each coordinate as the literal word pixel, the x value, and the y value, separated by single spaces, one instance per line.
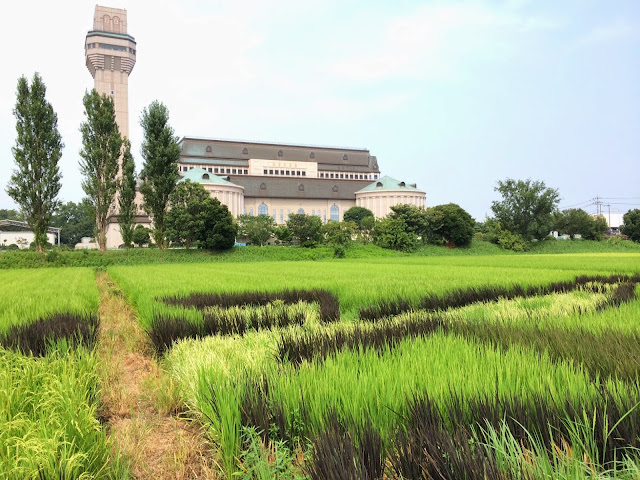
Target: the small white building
pixel 13 232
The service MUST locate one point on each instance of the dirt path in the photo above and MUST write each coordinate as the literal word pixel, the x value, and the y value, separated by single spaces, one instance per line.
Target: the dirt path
pixel 140 401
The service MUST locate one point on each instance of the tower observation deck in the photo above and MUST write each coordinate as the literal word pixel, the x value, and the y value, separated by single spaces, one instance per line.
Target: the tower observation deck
pixel 110 54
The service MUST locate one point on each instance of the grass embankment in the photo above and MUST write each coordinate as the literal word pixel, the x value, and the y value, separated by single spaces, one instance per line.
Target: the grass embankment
pixel 145 256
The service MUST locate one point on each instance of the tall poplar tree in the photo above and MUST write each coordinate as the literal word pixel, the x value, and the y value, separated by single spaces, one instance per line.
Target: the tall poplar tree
pixel 101 144
pixel 159 175
pixel 35 183
pixel 127 196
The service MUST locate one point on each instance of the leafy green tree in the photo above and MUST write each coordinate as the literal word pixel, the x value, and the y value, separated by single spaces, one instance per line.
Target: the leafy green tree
pixel 631 227
pixel 526 208
pixel 9 214
pixel 306 229
pixel 366 229
pixel 415 218
pixel 393 233
pixel 101 144
pixel 452 224
pixel 258 229
pixel 575 221
pixel 283 234
pixel 76 220
pixel 141 235
pixel 127 196
pixel 159 175
pixel 599 228
pixel 183 220
pixel 356 215
pixel 35 183
pixel 218 231
pixel 339 233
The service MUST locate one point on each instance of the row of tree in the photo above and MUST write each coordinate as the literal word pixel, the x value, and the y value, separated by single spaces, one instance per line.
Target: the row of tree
pixel 108 168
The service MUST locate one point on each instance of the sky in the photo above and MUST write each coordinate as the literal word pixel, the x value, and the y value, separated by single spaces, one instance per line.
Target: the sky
pixel 451 95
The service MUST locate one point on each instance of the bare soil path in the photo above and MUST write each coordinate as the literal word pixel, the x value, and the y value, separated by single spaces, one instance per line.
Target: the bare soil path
pixel 140 401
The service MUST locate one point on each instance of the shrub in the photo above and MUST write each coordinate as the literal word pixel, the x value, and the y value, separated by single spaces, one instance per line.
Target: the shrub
pixel 392 233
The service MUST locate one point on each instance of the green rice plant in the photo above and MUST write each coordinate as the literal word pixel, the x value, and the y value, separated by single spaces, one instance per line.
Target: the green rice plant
pixel 31 294
pixel 355 283
pixel 48 418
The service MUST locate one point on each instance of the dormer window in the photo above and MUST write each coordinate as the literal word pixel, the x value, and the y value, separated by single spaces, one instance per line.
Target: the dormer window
pixel 312 155
pixel 345 157
pixel 263 186
pixel 335 188
pixel 379 184
pixel 301 188
pixel 402 184
pixel 245 151
pixel 205 176
pixel 209 149
pixel 280 154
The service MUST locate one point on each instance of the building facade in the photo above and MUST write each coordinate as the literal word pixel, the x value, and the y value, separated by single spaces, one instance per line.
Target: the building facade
pixel 280 179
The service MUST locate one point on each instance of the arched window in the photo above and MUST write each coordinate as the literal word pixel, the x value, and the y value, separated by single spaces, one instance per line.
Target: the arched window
pixel 106 23
pixel 335 213
pixel 263 209
pixel 301 210
pixel 116 24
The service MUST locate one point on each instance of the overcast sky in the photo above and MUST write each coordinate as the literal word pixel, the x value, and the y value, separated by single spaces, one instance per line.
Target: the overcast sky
pixel 451 95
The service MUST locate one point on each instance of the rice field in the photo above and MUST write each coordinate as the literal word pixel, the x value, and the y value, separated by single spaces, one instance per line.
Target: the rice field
pixel 448 367
pixel 49 396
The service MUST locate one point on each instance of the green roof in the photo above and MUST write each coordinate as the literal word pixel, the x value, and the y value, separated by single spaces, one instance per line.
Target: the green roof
pixel 200 175
pixel 388 183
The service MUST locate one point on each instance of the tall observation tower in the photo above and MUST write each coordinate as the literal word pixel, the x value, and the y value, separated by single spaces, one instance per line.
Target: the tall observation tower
pixel 110 55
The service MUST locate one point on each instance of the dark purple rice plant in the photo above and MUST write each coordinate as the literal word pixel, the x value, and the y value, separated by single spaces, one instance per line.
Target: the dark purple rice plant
pixel 37 337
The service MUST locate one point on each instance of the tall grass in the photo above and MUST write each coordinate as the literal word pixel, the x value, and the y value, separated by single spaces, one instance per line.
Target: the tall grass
pixel 48 418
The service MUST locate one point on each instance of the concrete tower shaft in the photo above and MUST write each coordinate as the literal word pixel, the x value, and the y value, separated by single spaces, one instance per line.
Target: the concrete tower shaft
pixel 110 55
